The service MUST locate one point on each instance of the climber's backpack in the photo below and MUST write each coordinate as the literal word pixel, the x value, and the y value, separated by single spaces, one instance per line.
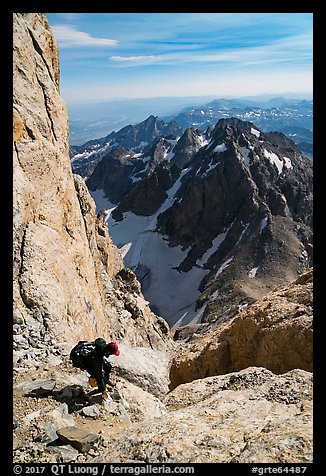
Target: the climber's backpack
pixel 81 352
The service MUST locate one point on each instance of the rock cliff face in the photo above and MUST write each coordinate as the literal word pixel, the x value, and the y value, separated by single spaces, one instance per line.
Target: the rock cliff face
pixel 275 333
pixel 66 279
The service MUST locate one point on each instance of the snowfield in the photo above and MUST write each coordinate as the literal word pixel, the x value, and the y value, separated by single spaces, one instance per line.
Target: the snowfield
pixel 173 293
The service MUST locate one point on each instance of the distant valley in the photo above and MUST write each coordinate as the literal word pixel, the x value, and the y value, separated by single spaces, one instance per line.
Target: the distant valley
pixel 294 119
pixel 291 116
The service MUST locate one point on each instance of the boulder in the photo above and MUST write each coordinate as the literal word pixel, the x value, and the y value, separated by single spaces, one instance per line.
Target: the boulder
pixel 38 388
pixel 78 438
pixel 144 367
pixel 91 411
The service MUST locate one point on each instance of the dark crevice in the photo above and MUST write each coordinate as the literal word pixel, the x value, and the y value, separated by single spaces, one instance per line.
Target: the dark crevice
pixel 15 144
pixel 149 341
pixel 47 108
pixel 30 132
pixel 21 290
pixel 38 49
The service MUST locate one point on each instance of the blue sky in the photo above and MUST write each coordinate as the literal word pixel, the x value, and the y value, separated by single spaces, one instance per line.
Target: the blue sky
pixel 105 56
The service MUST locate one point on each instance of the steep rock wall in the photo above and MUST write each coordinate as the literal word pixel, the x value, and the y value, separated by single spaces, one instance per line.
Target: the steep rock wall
pixel 65 265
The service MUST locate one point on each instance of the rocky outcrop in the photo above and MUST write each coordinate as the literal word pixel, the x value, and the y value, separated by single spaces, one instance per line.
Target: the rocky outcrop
pixel 155 186
pixel 113 173
pixel 275 333
pixel 188 144
pixel 129 179
pixel 252 417
pixel 247 416
pixel 145 368
pixel 66 286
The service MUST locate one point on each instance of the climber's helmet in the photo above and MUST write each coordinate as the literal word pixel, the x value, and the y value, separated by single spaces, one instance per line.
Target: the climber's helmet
pixel 111 349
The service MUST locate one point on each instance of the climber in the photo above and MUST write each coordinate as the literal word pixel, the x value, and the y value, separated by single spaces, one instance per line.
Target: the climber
pixel 91 356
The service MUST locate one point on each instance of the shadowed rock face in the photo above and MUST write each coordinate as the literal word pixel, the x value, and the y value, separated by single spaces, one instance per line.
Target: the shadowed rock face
pixel 145 132
pixel 65 264
pixel 138 137
pixel 237 202
pixel 275 333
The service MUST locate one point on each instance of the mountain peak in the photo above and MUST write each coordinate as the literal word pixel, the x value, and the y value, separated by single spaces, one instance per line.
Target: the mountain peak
pixel 232 128
pixel 235 122
pixel 151 118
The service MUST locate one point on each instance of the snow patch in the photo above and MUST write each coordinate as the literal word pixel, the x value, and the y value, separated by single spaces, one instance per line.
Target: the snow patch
pixel 83 155
pixel 209 143
pixel 287 163
pixel 283 197
pixel 255 132
pixel 263 224
pixel 242 233
pixel 168 289
pixel 142 144
pixel 274 159
pixel 173 141
pixel 168 155
pixel 223 266
pixel 190 316
pixel 252 272
pixel 220 148
pixel 211 166
pixel 245 155
pixel 215 245
pixel 203 142
pixel 214 295
pixel 125 249
pixel 171 194
pixel 101 201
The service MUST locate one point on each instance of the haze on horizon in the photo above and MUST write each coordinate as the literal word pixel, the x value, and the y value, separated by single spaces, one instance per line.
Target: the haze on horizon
pixel 111 56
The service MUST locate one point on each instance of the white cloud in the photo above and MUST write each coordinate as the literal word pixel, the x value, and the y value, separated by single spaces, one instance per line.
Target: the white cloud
pixel 68 37
pixel 293 50
pixel 134 58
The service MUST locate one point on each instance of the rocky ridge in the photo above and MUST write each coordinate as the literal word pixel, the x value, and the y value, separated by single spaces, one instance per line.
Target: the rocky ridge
pixel 231 211
pixel 137 138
